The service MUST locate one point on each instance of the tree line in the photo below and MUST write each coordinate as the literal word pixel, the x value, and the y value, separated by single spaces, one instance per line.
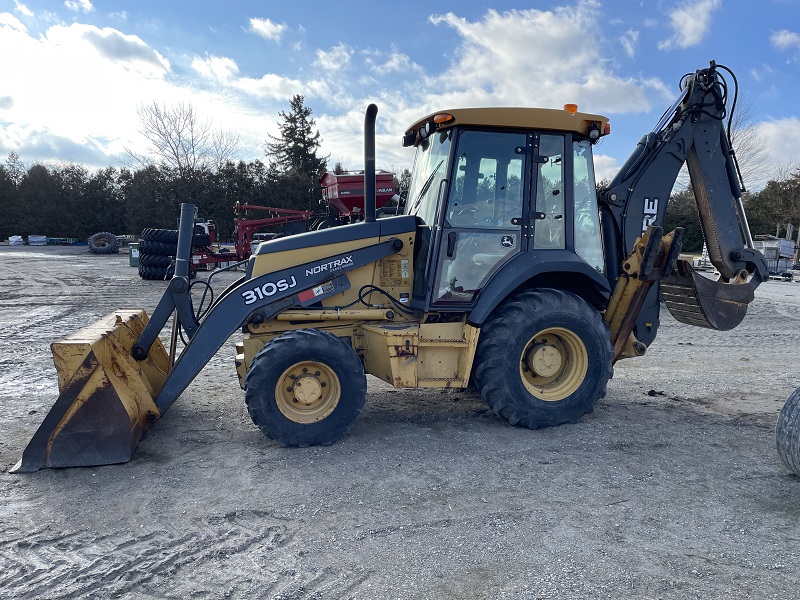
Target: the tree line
pixel 769 211
pixel 71 202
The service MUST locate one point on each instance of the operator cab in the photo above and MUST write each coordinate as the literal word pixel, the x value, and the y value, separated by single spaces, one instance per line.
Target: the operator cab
pixel 490 186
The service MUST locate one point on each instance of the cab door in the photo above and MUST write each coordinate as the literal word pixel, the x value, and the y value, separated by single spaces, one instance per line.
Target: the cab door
pixel 484 215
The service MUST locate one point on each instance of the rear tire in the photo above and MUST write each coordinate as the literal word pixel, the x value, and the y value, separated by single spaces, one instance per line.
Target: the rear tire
pixel 155 260
pixel 543 358
pixel 103 243
pixel 305 388
pixel 165 236
pixel 155 273
pixel 157 248
pixel 170 237
pixel 787 433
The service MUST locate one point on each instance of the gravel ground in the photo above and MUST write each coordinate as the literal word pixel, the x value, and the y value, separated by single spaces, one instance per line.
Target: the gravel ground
pixel 671 489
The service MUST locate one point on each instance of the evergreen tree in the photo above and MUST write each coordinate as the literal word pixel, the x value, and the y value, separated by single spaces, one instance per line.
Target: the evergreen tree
pixel 295 150
pixel 9 207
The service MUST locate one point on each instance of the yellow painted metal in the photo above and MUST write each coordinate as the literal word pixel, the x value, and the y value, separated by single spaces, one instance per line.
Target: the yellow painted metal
pixel 394 274
pixel 426 355
pixel 106 398
pixel 630 292
pixel 391 353
pixel 367 314
pixel 525 118
pixel 553 364
pixel 111 339
pixel 307 392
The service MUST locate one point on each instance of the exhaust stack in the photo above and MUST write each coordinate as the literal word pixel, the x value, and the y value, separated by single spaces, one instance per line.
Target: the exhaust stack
pixel 369 163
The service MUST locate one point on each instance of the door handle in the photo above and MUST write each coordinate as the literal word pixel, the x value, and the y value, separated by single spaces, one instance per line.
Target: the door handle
pixel 451 243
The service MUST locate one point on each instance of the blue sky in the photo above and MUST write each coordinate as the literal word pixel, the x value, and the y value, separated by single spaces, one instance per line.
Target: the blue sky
pixel 74 72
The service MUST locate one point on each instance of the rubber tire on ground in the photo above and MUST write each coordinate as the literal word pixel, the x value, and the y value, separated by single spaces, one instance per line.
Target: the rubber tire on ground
pixel 281 354
pixel 103 243
pixel 159 248
pixel 170 236
pixel 155 273
pixel 155 260
pixel 502 345
pixel 787 433
pixel 165 236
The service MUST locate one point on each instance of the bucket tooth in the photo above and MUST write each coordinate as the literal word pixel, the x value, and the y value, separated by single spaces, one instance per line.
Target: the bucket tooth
pixel 106 399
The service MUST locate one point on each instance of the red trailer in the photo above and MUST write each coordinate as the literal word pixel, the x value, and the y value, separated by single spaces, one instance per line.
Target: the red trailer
pixel 343 193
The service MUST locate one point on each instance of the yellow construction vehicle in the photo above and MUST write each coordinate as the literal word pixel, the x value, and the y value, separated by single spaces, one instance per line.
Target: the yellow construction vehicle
pixel 505 269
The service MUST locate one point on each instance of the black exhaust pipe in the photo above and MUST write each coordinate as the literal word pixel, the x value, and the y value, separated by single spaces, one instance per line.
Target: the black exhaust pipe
pixel 369 163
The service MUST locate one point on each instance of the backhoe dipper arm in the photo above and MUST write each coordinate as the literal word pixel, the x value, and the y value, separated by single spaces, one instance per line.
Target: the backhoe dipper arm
pixel 692 131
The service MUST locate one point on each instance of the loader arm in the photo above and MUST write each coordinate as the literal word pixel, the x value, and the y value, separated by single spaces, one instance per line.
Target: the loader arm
pixel 692 132
pixel 258 300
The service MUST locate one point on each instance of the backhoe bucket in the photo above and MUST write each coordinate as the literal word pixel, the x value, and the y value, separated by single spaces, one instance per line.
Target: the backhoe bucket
pixel 697 300
pixel 106 399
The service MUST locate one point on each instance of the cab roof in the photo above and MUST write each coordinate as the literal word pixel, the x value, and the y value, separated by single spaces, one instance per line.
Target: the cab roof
pixel 515 118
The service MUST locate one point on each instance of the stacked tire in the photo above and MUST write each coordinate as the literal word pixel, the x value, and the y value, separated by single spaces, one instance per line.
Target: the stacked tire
pixel 157 253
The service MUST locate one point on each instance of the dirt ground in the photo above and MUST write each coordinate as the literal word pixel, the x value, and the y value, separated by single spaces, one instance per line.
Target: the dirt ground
pixel 671 489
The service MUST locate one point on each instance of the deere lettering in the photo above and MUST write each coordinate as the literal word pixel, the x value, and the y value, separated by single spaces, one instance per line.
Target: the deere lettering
pixel 268 289
pixel 331 266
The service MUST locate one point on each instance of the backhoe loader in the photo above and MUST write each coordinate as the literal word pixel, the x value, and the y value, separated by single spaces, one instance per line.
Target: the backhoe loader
pixel 506 270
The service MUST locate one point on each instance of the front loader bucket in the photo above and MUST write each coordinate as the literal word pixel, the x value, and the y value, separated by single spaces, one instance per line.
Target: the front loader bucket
pixel 106 398
pixel 697 300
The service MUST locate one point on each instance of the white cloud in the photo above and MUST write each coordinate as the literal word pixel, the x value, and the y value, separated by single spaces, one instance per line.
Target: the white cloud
pixel 10 22
pixel 219 68
pixel 21 8
pixel 785 40
pixel 762 73
pixel 629 42
pixel 398 63
pixel 605 167
pixel 267 29
pixel 87 85
pixel 489 68
pixel 79 5
pixel 690 23
pixel 779 137
pixel 278 87
pixel 336 59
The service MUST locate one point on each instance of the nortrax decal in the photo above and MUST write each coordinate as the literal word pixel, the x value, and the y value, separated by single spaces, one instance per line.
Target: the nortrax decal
pixel 268 289
pixel 330 266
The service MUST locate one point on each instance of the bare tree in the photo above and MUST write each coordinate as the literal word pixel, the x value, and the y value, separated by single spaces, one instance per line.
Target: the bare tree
pixel 747 143
pixel 224 144
pixel 180 139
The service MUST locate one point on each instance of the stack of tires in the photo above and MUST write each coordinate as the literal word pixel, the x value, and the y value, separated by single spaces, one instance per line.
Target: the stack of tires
pixel 103 243
pixel 157 253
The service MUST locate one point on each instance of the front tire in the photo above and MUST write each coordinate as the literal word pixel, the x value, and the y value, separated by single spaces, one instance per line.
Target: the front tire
pixel 543 358
pixel 305 388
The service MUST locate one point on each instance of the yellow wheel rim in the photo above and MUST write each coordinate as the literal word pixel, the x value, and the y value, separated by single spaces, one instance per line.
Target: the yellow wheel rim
pixel 307 392
pixel 553 364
